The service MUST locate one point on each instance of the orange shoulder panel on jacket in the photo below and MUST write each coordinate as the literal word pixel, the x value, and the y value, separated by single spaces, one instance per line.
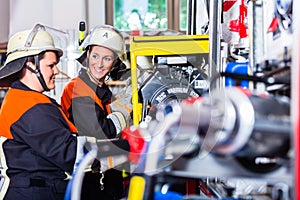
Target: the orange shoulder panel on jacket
pixel 15 104
pixel 78 88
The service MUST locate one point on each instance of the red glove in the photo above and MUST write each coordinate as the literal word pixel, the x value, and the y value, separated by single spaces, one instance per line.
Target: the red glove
pixel 136 142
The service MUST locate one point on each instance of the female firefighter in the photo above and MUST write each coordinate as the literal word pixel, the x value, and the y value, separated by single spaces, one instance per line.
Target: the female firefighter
pixel 87 100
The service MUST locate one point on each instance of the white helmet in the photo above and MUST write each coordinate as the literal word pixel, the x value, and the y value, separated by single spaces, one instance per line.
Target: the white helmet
pixel 106 36
pixel 23 44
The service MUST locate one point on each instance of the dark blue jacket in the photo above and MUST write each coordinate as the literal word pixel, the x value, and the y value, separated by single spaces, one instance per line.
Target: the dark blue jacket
pixel 87 106
pixel 37 139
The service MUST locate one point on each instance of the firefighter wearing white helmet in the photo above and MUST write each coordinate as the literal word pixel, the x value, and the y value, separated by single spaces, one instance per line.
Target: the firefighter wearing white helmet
pixel 38 143
pixel 111 38
pixel 87 101
pixel 21 46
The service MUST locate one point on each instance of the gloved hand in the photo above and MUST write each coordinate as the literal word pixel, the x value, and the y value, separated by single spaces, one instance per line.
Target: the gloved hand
pixel 81 148
pixel 136 142
pixel 121 109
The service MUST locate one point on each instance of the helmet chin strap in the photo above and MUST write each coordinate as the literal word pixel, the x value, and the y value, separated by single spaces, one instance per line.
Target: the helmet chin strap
pixel 38 73
pixel 93 78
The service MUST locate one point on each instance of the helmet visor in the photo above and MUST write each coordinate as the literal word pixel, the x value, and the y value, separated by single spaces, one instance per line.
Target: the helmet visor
pixel 8 72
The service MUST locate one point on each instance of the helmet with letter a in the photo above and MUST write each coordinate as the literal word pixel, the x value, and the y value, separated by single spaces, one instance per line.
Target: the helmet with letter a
pixel 106 36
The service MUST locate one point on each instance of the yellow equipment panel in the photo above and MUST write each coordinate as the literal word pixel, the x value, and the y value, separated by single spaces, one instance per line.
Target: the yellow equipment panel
pixel 161 45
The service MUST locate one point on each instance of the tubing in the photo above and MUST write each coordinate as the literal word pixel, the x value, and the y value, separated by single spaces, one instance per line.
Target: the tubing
pixel 79 175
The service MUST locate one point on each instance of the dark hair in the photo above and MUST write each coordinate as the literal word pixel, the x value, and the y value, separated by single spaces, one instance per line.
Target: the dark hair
pixel 42 55
pixel 89 49
pixel 118 70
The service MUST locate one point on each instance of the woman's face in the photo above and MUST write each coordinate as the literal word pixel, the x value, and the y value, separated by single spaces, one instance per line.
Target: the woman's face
pixel 101 60
pixel 48 67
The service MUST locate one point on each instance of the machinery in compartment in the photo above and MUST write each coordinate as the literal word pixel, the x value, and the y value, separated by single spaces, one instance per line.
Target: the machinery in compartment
pixel 229 144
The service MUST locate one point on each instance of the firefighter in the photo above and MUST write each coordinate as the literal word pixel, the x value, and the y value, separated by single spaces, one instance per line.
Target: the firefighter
pixel 87 100
pixel 39 146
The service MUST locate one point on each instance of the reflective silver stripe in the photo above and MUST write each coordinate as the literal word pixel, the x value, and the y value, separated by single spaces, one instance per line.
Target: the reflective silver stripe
pixel 118 120
pixel 4 182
